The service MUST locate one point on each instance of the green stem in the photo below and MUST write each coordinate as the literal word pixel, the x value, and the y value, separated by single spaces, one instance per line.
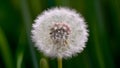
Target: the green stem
pixel 44 63
pixel 59 62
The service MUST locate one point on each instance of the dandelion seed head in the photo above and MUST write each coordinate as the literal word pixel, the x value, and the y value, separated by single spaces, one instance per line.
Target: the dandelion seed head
pixel 60 32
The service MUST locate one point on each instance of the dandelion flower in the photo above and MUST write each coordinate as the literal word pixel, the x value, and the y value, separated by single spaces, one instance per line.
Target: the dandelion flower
pixel 60 32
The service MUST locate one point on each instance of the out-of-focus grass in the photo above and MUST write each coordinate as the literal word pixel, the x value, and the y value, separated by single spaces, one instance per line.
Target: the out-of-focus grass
pixel 20 51
pixel 27 22
pixel 99 44
pixel 5 51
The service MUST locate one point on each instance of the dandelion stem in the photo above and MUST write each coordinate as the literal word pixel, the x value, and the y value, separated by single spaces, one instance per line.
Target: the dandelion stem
pixel 59 62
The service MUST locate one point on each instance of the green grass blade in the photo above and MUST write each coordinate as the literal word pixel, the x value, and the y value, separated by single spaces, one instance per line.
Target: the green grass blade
pixel 27 22
pixel 21 48
pixel 99 50
pixel 5 50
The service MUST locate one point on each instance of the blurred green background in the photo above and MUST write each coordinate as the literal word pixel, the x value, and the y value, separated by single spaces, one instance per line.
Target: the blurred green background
pixel 17 49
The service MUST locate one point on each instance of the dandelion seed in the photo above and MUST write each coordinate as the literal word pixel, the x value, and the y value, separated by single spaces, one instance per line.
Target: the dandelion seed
pixel 60 32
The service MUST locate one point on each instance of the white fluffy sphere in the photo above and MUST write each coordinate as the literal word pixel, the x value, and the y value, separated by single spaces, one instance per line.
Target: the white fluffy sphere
pixel 68 43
